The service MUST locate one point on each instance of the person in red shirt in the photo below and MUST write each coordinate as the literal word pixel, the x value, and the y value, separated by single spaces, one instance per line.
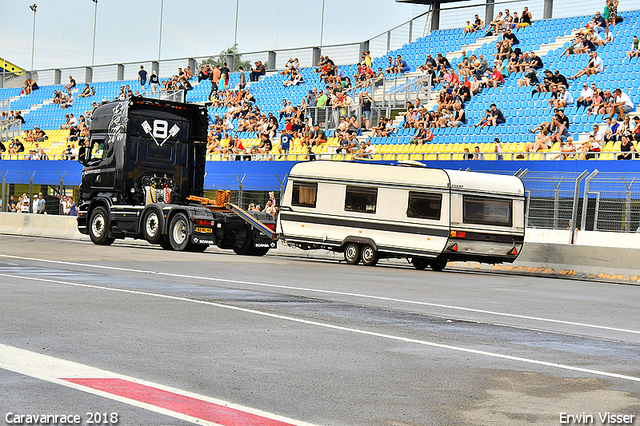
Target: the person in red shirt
pixel 495 78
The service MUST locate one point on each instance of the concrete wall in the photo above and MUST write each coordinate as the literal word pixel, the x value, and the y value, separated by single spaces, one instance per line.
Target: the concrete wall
pixel 596 255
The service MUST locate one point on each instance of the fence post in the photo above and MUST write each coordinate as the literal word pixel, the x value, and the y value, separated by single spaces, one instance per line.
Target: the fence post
pixel 282 181
pixel 585 200
pixel 31 189
pixel 4 200
pixel 60 207
pixel 574 213
pixel 240 189
pixel 556 202
pixel 627 205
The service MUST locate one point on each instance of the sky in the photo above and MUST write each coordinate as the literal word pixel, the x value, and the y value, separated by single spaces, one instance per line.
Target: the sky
pixel 128 31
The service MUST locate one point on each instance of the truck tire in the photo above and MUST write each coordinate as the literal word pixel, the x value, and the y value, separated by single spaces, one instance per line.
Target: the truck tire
pixel 165 243
pixel 258 251
pixel 151 230
pixel 352 253
pixel 369 255
pixel 197 248
pixel 438 265
pixel 179 232
pixel 419 263
pixel 99 227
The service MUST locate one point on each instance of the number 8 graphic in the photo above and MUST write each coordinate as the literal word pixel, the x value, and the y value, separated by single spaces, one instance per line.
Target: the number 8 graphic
pixel 160 128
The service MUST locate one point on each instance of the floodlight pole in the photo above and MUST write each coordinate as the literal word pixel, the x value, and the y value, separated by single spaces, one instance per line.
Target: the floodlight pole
pixel 235 33
pixel 95 14
pixel 33 7
pixel 322 24
pixel 160 37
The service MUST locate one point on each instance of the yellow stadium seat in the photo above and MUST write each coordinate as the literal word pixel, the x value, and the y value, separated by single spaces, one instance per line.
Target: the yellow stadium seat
pixel 388 157
pixel 607 156
pixel 458 157
pixel 490 157
pixel 424 147
pixel 338 157
pixel 431 157
pixel 377 157
pixel 403 157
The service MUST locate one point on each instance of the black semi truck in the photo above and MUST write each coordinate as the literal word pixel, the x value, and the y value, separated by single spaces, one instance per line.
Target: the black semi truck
pixel 143 177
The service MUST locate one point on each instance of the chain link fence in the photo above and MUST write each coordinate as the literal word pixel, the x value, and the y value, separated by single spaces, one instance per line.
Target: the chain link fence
pixel 597 201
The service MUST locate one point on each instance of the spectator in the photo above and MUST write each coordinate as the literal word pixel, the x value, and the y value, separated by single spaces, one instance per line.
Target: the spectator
pixel 154 81
pixel 477 155
pixel 401 65
pixel 497 149
pixel 71 85
pixel 319 136
pixel 142 76
pixel 636 128
pixel 612 5
pixel 626 149
pixel 510 37
pixel 285 142
pixel 567 151
pixel 442 60
pixel 39 206
pixel 477 24
pixel 525 18
pixel 594 66
pixel 622 105
pixel 600 23
pixel 24 203
pixel 390 66
pixel 530 78
pixel 69 102
pixel 467 154
pixel 564 98
pixel 495 78
pixel 542 141
pixel 421 135
pixel 258 71
pixel 635 48
pixel 559 129
pixel 586 96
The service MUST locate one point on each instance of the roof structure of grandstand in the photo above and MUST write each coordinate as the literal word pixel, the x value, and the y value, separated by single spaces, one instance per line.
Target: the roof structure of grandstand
pixel 548 38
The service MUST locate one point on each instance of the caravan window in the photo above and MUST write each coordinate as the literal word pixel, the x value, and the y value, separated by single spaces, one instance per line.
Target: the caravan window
pixel 304 194
pixel 359 199
pixel 487 211
pixel 424 206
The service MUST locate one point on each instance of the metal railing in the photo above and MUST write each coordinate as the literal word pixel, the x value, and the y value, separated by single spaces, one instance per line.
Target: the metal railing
pixel 594 202
pixel 10 129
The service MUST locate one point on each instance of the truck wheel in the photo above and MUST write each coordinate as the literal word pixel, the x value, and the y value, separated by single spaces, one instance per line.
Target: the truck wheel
pixel 438 265
pixel 259 251
pixel 166 244
pixel 197 248
pixel 99 227
pixel 419 263
pixel 352 253
pixel 245 249
pixel 151 227
pixel 179 232
pixel 369 256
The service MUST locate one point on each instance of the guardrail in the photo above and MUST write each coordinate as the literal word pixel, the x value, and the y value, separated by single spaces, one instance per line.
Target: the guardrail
pixel 389 156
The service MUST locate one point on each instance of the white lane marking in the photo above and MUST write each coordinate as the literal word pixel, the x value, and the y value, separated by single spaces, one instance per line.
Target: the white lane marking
pixel 51 369
pixel 341 328
pixel 337 293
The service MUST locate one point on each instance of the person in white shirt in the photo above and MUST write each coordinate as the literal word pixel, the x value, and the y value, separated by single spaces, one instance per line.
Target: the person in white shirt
pixel 586 96
pixel 594 66
pixel 623 103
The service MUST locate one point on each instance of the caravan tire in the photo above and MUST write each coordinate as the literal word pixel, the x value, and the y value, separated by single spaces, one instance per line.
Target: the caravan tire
pixel 352 253
pixel 369 256
pixel 438 265
pixel 419 263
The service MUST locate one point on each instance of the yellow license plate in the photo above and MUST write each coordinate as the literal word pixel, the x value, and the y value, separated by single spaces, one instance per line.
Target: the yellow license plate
pixel 204 230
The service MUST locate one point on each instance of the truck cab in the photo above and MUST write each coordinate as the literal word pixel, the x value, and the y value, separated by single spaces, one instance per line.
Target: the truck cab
pixel 144 163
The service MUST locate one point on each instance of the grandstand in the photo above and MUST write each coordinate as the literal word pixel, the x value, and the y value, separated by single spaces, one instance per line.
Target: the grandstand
pixel 548 38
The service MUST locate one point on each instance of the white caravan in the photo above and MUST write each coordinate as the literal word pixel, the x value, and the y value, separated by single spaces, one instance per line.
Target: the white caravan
pixel 431 216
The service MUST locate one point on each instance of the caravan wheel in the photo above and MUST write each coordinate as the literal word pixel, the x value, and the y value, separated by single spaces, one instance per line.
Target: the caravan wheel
pixel 419 263
pixel 369 256
pixel 352 253
pixel 438 265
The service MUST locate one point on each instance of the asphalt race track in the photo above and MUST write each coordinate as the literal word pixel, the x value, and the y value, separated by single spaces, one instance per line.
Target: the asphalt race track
pixel 135 335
